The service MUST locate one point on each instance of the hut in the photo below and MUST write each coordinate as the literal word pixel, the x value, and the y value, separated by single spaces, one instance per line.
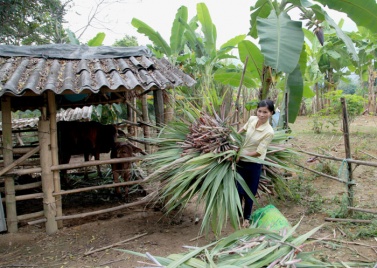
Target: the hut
pixel 50 77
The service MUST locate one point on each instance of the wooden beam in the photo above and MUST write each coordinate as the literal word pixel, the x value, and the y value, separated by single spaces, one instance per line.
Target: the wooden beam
pixel 54 152
pixel 158 102
pixel 347 146
pixel 358 162
pixel 77 165
pixel 19 161
pixel 10 193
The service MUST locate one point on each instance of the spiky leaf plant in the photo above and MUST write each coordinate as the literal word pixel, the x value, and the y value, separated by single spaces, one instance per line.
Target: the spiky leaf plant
pixel 196 158
pixel 252 247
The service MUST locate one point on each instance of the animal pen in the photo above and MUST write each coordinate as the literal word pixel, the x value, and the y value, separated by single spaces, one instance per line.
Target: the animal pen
pixel 51 77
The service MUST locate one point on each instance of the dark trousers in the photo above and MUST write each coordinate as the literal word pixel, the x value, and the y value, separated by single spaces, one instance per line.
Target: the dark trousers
pixel 250 172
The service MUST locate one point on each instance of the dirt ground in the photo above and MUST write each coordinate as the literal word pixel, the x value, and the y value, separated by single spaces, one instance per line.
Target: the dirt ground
pixel 161 236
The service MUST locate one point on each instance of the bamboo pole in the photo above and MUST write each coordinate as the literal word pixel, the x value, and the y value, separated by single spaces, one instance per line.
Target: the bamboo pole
pixel 144 105
pixel 49 205
pixel 25 171
pixel 19 150
pixel 130 116
pixel 77 165
pixel 27 163
pixel 363 210
pixel 24 186
pixel 158 103
pixel 145 200
pixel 321 174
pixel 30 216
pixel 134 109
pixel 19 161
pixel 27 197
pixel 92 213
pixel 54 153
pixel 98 187
pixel 358 162
pixel 348 152
pixel 134 117
pixel 114 245
pixel 10 194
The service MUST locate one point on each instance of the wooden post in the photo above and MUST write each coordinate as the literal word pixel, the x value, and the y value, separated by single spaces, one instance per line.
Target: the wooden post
pixel 49 205
pixel 348 153
pixel 144 106
pixel 286 103
pixel 237 104
pixel 54 153
pixel 130 128
pixel 10 192
pixel 158 102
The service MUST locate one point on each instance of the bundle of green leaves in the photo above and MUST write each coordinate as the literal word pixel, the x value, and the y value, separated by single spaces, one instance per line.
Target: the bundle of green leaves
pixel 196 159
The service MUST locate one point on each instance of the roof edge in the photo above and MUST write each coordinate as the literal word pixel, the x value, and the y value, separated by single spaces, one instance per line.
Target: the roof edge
pixel 73 52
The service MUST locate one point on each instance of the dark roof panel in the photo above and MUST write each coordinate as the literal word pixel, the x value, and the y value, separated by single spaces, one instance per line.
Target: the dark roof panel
pixel 31 70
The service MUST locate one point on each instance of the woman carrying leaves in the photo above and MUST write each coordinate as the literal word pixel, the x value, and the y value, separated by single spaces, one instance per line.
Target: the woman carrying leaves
pixel 259 134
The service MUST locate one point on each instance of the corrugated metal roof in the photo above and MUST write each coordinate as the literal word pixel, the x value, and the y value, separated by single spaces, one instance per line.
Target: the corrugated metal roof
pixel 70 114
pixel 26 76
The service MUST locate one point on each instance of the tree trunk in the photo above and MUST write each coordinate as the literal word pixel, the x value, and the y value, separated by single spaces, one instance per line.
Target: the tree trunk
pixel 317 97
pixel 169 100
pixel 266 83
pixel 371 90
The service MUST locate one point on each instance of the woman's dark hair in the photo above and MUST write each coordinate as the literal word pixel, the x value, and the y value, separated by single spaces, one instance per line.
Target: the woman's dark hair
pixel 267 103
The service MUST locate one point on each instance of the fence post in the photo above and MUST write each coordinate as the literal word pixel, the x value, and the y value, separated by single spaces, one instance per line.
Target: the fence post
pixel 10 192
pixel 348 153
pixel 49 204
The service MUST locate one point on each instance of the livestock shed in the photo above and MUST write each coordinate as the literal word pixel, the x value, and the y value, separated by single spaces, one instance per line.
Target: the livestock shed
pixel 62 76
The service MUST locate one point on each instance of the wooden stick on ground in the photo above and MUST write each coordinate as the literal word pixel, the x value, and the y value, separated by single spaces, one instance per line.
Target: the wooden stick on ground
pixel 344 242
pixel 363 210
pixel 196 238
pixel 320 173
pixel 114 245
pixel 348 220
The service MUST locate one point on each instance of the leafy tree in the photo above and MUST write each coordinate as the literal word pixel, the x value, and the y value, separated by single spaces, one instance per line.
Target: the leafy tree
pixel 355 104
pixel 365 41
pixel 126 41
pixel 32 22
pixel 194 48
pixel 281 39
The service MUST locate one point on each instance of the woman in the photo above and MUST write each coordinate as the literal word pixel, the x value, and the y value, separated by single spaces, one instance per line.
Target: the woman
pixel 259 134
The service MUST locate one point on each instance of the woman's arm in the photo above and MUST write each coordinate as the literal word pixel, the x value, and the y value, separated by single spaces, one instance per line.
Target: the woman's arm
pixel 241 130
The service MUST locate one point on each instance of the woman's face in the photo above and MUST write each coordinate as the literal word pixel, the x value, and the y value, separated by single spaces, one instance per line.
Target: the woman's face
pixel 263 114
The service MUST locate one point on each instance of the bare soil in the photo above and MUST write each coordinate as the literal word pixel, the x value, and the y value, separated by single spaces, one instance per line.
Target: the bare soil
pixel 161 236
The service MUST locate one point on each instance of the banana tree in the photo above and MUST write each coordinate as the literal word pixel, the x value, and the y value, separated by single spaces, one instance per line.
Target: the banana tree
pixel 281 39
pixel 196 50
pixel 366 43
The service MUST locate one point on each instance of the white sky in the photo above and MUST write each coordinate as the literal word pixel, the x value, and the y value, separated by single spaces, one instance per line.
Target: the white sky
pixel 231 18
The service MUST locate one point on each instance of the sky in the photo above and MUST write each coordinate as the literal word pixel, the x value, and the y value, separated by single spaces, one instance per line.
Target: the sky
pixel 231 17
